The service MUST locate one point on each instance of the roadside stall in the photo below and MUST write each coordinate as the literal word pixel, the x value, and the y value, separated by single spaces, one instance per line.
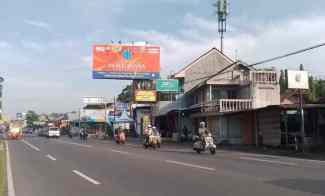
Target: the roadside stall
pixel 124 122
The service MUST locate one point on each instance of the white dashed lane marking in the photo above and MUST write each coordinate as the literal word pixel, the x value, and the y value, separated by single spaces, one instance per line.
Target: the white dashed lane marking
pixel 84 176
pixel 31 145
pixel 268 161
pixel 51 157
pixel 190 165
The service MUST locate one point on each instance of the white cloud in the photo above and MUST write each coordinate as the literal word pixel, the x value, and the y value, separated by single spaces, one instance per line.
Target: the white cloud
pixel 38 24
pixel 263 42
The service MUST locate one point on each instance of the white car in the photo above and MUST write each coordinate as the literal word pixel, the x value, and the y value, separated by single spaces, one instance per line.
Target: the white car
pixel 54 132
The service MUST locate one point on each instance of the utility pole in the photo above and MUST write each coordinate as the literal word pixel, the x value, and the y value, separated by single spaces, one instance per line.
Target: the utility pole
pixel 222 13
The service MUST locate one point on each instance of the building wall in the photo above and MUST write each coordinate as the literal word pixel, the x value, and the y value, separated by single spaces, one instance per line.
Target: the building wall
pixel 229 129
pixel 244 92
pixel 268 121
pixel 140 113
pixel 265 95
pixel 189 123
pixel 248 128
pixel 212 124
pixel 211 63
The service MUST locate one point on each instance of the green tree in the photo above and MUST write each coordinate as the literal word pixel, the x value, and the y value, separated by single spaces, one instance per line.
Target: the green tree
pixel 312 96
pixel 301 67
pixel 283 81
pixel 31 117
pixel 316 89
pixel 126 94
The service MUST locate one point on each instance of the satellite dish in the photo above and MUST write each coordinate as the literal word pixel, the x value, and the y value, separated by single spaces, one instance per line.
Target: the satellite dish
pixel 1 79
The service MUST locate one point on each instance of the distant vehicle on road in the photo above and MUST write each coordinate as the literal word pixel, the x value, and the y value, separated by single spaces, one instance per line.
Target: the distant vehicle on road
pixel 42 131
pixel 28 131
pixel 15 130
pixel 53 132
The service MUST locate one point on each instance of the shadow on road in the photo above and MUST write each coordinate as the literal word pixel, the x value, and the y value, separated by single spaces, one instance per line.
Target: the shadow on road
pixel 305 185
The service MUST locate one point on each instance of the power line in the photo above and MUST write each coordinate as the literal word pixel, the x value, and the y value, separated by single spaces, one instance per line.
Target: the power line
pixel 287 55
pixel 262 62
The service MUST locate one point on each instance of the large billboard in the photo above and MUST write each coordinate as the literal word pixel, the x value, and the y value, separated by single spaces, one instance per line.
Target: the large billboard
pixel 126 62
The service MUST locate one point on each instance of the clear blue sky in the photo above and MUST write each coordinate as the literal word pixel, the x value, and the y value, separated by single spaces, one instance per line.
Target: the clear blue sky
pixel 45 46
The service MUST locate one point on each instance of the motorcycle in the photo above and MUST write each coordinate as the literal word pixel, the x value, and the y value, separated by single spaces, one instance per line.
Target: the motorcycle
pixel 120 138
pixel 153 141
pixel 199 145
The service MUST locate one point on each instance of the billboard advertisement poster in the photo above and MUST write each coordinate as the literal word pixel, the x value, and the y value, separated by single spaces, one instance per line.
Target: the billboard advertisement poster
pixel 298 79
pixel 145 96
pixel 93 115
pixel 127 62
pixel 93 100
pixel 167 86
pixel 121 106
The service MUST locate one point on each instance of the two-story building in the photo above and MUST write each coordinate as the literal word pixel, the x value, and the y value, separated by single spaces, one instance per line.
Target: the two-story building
pixel 225 94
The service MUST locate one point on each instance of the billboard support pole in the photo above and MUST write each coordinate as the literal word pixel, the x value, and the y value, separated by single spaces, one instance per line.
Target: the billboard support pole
pixel 114 109
pixel 302 128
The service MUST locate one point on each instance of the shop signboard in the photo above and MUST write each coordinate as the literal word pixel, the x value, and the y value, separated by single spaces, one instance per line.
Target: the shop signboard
pixel 93 100
pixel 167 86
pixel 145 96
pixel 122 106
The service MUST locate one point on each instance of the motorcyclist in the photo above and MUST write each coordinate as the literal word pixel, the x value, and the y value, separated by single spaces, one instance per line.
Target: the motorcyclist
pixel 147 133
pixel 203 132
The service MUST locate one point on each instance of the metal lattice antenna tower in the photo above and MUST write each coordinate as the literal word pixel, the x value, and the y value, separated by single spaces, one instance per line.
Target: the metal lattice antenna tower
pixel 222 13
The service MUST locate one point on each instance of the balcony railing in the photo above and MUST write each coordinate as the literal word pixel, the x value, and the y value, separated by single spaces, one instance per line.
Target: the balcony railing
pixel 235 105
pixel 226 105
pixel 243 78
pixel 264 77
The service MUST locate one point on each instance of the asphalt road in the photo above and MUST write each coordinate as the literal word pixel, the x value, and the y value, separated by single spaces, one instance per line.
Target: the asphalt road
pixel 52 167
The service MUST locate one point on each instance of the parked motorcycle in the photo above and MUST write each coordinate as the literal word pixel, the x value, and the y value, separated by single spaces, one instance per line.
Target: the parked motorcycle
pixel 202 146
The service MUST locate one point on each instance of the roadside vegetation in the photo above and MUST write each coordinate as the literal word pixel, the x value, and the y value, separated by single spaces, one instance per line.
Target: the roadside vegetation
pixel 2 169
